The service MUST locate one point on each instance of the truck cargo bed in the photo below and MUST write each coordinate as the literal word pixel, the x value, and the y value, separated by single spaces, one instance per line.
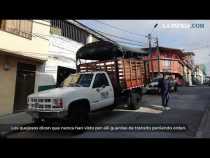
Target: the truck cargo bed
pixel 124 73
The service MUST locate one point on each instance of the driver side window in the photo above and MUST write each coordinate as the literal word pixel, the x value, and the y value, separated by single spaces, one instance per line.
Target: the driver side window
pixel 100 80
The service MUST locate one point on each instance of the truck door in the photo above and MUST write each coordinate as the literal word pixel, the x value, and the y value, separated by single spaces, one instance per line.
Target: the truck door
pixel 103 90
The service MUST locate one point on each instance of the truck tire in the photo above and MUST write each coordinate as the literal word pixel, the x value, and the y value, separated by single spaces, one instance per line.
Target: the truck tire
pixel 134 100
pixel 78 115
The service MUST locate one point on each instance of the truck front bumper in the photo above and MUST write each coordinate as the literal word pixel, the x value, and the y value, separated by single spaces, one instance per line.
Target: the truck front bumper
pixel 50 115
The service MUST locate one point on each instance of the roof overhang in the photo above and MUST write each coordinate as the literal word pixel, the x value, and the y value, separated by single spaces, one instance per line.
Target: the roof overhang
pixel 165 50
pixel 189 53
pixel 88 30
pixel 23 55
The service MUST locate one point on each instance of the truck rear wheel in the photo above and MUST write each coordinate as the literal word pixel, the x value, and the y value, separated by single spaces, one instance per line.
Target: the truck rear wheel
pixel 134 100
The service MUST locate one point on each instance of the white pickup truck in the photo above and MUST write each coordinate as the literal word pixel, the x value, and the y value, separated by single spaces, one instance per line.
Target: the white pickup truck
pixel 80 94
pixel 112 76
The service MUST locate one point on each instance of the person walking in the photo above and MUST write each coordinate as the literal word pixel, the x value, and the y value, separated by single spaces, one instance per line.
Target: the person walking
pixel 164 85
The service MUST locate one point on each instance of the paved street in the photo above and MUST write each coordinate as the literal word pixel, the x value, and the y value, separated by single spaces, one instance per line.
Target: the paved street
pixel 187 107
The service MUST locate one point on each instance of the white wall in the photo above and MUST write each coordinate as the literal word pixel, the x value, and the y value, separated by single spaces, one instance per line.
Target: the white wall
pixel 62 52
pixel 199 75
pixel 36 47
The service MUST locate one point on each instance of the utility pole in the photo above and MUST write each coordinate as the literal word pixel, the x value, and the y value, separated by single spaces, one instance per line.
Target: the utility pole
pixel 157 45
pixel 149 39
pixel 150 52
pixel 150 49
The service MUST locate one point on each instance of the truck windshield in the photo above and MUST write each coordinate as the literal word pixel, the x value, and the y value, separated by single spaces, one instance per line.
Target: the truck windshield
pixel 78 80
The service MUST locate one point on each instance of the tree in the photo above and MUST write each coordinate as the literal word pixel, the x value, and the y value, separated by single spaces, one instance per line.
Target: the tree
pixel 203 68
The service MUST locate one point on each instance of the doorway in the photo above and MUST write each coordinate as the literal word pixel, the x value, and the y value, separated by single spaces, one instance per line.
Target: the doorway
pixel 25 80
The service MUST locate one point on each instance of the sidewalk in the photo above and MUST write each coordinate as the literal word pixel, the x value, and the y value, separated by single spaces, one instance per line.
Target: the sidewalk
pixel 17 119
pixel 204 129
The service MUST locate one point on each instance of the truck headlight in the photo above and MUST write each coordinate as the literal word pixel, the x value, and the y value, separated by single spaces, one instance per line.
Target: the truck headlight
pixel 58 103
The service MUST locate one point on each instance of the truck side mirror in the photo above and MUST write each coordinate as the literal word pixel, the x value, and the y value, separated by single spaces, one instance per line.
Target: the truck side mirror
pixel 103 86
pixel 61 85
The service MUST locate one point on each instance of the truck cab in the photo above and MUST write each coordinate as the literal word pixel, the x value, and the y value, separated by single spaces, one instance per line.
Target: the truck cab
pixel 80 92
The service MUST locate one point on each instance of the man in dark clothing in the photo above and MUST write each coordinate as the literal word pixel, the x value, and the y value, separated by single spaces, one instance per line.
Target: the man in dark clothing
pixel 164 85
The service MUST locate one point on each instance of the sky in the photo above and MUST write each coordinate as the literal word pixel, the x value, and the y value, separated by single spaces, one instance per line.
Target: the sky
pixel 189 35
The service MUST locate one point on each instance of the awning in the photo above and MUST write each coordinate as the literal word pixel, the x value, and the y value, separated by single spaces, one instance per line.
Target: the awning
pixel 104 50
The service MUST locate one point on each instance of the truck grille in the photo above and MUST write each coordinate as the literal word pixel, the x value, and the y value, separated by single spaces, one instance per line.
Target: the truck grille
pixel 34 100
pixel 41 106
pixel 44 104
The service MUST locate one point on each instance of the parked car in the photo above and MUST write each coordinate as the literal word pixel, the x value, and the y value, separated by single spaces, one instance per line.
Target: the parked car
pixel 152 87
pixel 174 85
pixel 207 83
pixel 180 82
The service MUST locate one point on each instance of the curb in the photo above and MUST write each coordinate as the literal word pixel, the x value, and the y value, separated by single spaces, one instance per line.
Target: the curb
pixel 4 134
pixel 17 119
pixel 199 133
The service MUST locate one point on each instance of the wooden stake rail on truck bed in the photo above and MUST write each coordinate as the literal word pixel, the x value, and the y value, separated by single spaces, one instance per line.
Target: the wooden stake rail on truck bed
pixel 129 73
pixel 124 66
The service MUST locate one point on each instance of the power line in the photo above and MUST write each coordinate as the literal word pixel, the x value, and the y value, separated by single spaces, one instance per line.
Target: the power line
pixel 141 35
pixel 104 37
pixel 129 43
pixel 150 38
pixel 137 34
pixel 119 37
pixel 41 36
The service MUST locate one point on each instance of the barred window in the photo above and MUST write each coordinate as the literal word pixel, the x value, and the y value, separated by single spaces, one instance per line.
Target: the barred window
pixel 68 30
pixel 21 28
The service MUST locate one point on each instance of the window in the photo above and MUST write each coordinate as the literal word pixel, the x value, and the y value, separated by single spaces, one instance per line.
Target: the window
pixel 69 30
pixel 21 28
pixel 100 80
pixel 85 80
pixel 81 80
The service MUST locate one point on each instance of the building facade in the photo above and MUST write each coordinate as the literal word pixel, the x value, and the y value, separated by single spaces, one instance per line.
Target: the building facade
pixel 188 67
pixel 23 52
pixel 37 55
pixel 198 75
pixel 164 60
pixel 66 37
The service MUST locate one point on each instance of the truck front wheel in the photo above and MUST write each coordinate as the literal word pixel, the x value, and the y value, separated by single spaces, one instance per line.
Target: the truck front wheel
pixel 78 115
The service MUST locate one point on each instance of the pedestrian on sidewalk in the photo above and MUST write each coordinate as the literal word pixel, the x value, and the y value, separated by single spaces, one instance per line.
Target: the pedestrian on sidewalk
pixel 164 85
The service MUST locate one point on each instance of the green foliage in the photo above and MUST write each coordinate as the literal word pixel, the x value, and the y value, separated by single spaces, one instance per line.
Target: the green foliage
pixel 203 68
